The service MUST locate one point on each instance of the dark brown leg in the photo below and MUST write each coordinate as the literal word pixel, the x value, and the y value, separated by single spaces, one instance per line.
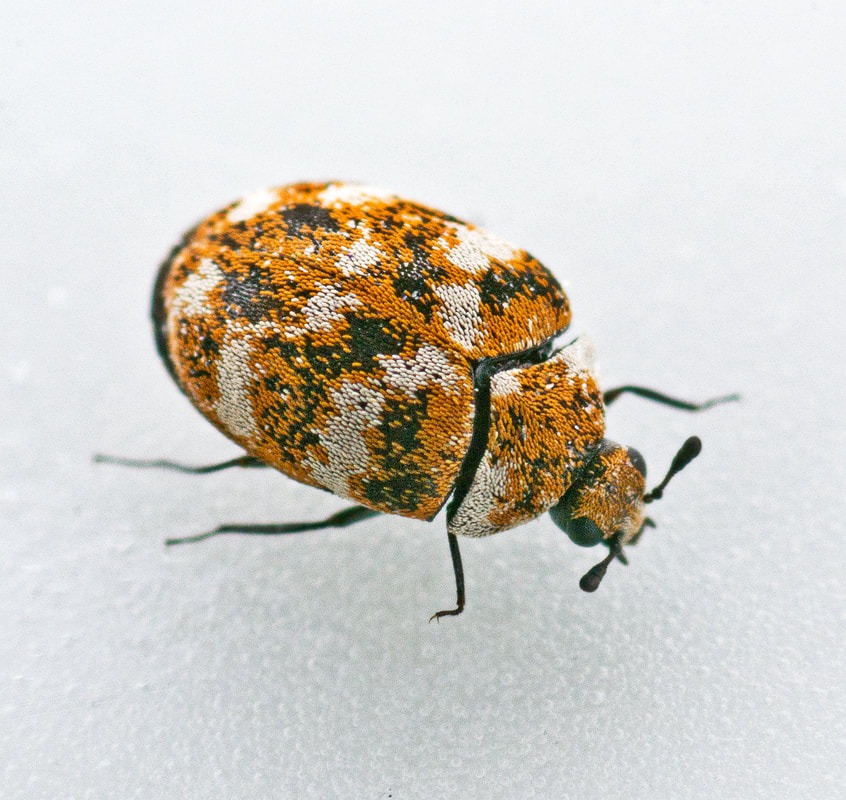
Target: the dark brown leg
pixel 459 581
pixel 650 394
pixel 342 519
pixel 161 463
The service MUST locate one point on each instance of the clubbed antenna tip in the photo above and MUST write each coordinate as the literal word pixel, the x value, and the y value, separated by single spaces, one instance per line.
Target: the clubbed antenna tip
pixel 687 452
pixel 593 577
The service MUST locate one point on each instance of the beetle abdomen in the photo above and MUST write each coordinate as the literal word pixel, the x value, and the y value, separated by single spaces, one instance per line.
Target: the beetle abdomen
pixel 331 331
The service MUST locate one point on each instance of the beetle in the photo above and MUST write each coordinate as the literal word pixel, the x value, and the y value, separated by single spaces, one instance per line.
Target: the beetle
pixel 394 355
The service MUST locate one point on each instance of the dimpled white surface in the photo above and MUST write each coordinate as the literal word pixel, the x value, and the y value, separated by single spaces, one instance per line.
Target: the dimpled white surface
pixel 680 167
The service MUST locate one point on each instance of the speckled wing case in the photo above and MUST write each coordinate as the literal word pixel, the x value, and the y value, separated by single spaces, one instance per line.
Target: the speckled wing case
pixel 332 331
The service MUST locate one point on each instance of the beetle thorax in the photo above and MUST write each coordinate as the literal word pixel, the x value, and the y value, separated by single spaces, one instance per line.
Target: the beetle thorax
pixel 546 421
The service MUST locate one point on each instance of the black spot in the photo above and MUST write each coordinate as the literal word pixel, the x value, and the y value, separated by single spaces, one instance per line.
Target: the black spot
pixel 582 400
pixel 209 345
pixel 319 364
pixel 402 431
pixel 516 418
pixel 197 364
pixel 234 237
pixel 411 286
pixel 370 337
pixel 500 286
pixel 274 384
pixel 399 492
pixel 389 222
pixel 407 479
pixel 278 417
pixel 304 215
pixel 401 428
pixel 415 278
pixel 248 295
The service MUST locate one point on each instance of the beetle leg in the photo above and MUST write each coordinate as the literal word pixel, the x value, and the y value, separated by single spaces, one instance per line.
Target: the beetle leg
pixel 341 519
pixel 650 394
pixel 459 580
pixel 161 463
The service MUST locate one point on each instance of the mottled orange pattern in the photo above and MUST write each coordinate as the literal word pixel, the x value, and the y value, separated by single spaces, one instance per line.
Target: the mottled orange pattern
pixel 547 420
pixel 332 330
pixel 610 493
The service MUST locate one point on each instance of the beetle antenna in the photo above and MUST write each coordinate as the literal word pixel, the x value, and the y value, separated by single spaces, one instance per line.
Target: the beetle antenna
pixel 593 577
pixel 687 452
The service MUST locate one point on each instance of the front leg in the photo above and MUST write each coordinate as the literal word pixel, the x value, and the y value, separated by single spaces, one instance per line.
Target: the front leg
pixel 459 581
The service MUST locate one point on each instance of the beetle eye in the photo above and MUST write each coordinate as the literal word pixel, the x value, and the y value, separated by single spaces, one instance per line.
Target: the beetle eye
pixel 584 532
pixel 637 461
pixel 581 530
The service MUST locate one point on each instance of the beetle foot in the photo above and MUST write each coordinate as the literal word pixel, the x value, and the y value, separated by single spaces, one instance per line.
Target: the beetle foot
pixel 452 612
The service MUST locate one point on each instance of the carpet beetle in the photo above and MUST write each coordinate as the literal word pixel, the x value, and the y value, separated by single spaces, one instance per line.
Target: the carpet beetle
pixel 394 355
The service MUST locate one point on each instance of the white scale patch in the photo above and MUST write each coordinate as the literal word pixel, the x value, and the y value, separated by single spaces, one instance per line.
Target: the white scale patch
pixel 471 519
pixel 321 311
pixel 460 312
pixel 476 248
pixel 353 194
pixel 233 407
pixel 252 204
pixel 358 408
pixel 503 383
pixel 428 366
pixel 235 374
pixel 192 298
pixel 580 356
pixel 358 258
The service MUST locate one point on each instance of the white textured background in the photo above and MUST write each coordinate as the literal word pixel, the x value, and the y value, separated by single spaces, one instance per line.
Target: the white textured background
pixel 681 166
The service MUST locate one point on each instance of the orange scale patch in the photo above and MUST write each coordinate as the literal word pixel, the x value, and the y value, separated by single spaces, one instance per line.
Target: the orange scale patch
pixel 614 501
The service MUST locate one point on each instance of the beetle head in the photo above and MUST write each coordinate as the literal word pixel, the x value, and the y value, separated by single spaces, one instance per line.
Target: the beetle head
pixel 606 503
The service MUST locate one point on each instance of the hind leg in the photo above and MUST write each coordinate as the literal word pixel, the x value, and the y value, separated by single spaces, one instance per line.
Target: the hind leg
pixel 161 463
pixel 341 519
